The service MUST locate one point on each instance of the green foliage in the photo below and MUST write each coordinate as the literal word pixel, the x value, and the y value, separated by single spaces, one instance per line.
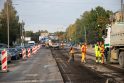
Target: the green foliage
pixel 35 36
pixel 14 25
pixel 94 21
pixel 28 33
pixel 61 35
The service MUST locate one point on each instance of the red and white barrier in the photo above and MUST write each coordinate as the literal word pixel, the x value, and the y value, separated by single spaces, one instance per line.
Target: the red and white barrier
pixel 29 53
pixel 4 60
pixel 24 53
pixel 36 48
pixel 39 47
pixel 33 50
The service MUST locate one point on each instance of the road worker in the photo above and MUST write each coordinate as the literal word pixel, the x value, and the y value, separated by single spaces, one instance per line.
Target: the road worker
pixel 97 52
pixel 102 52
pixel 62 45
pixel 71 55
pixel 83 50
pixel 106 53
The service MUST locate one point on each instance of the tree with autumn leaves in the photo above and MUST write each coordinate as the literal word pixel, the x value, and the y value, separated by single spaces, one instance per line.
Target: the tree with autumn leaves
pixel 93 23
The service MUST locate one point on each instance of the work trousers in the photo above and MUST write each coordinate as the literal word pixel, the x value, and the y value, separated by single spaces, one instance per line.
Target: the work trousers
pixel 102 56
pixel 98 57
pixel 71 58
pixel 83 59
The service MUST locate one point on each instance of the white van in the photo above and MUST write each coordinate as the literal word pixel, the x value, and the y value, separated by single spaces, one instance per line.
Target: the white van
pixel 31 42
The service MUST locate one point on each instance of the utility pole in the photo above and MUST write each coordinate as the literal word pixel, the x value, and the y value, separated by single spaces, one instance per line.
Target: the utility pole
pixel 8 22
pixel 75 37
pixel 85 35
pixel 122 10
pixel 58 34
pixel 20 34
pixel 22 29
pixel 69 34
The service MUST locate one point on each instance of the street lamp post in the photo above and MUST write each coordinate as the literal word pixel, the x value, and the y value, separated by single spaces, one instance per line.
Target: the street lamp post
pixel 0 25
pixel 8 23
pixel 122 10
pixel 22 30
pixel 85 35
pixel 69 34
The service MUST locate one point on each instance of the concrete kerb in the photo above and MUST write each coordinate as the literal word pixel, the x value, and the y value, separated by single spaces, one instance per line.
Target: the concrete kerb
pixel 56 67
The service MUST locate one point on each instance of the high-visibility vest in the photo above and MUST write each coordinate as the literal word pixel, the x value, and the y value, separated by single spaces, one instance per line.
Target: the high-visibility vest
pixel 96 50
pixel 96 47
pixel 83 49
pixel 99 53
pixel 102 48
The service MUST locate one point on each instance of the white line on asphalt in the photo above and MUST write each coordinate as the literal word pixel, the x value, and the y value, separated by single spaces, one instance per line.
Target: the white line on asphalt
pixel 36 81
pixel 34 75
pixel 46 66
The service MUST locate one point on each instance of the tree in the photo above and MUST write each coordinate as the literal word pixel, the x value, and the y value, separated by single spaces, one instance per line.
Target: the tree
pixel 14 23
pixel 29 33
pixel 61 35
pixel 94 21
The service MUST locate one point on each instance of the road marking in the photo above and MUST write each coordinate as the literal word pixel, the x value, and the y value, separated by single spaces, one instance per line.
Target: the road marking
pixel 36 81
pixel 46 66
pixel 32 75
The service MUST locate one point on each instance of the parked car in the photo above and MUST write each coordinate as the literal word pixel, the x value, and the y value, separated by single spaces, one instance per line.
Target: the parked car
pixel 8 56
pixel 20 51
pixel 3 45
pixel 14 52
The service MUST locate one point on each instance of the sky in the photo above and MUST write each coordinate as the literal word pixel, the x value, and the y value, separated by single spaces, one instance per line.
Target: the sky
pixel 56 15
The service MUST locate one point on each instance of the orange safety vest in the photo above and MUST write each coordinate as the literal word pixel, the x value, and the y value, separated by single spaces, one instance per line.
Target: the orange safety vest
pixel 102 48
pixel 83 49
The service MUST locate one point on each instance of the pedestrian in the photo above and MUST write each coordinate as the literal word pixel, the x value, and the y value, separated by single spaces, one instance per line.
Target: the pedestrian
pixel 71 55
pixel 97 52
pixel 83 50
pixel 102 52
pixel 106 53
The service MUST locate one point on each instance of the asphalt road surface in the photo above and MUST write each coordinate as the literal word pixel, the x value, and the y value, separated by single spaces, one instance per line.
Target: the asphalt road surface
pixel 51 66
pixel 40 68
pixel 75 72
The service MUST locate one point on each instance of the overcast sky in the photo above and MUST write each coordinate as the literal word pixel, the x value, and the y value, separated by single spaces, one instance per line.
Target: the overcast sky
pixel 53 15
